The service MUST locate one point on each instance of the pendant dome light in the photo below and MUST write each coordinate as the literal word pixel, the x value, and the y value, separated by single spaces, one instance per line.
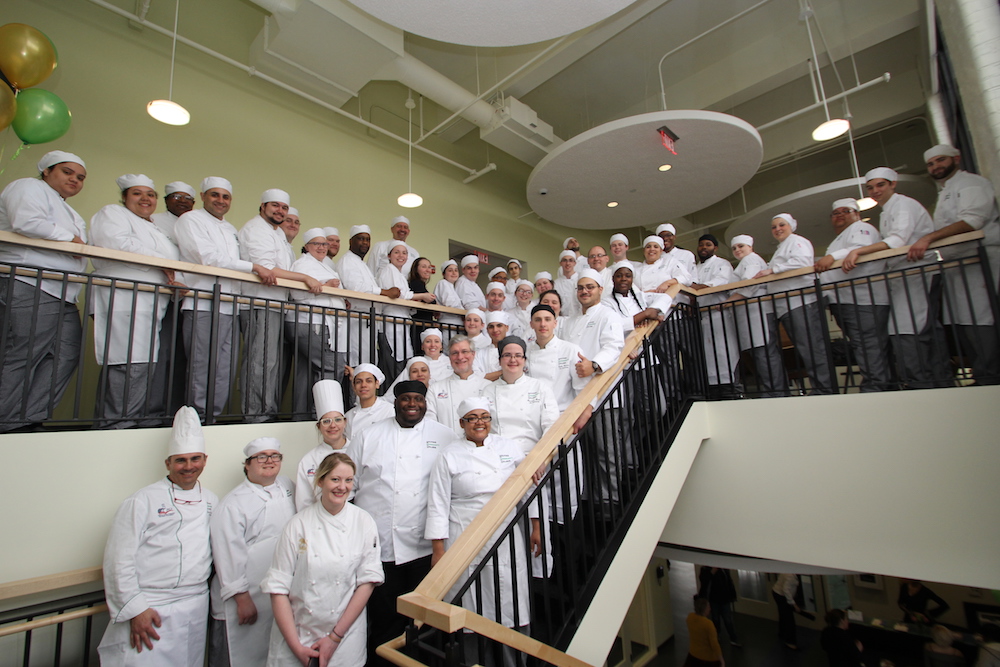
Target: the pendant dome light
pixel 167 111
pixel 410 199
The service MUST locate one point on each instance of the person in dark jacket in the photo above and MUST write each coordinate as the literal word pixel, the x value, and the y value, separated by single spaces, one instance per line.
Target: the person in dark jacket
pixel 842 649
pixel 716 584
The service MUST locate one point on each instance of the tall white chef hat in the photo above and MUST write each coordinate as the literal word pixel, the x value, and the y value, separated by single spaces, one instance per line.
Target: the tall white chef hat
pixel 469 259
pixel 941 149
pixel 652 238
pixel 666 227
pixel 495 285
pixel 882 172
pixel 53 158
pixel 430 332
pixel 370 368
pixel 593 275
pixel 849 202
pixel 567 253
pixel 473 403
pixel 331 231
pixel 619 237
pixel 126 181
pixel 293 211
pixel 314 232
pixel 255 447
pixel 178 186
pixel 328 397
pixel 543 274
pixel 792 222
pixel 216 182
pixel 275 195
pixel 360 229
pixel 745 239
pixel 186 436
pixel 400 218
pixel 497 270
pixel 499 316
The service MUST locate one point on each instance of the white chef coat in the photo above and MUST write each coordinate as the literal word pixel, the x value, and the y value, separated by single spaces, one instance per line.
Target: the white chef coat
pixel 319 561
pixel 795 252
pixel 305 490
pixel 359 418
pixel 718 329
pixel 650 276
pixel 555 365
pixel 470 294
pixel 245 528
pixel 118 228
pixel 686 258
pixel 265 244
pixel 856 235
pixel 444 397
pixel 903 222
pixel 446 295
pixel 337 332
pixel 970 198
pixel 166 222
pixel 204 239
pixel 630 305
pixel 30 207
pixel 520 320
pixel 463 480
pixel 158 555
pixel 394 464
pixel 378 256
pixel 567 292
pixel 522 410
pixel 599 334
pixel 388 277
pixel 487 359
pixel 482 343
pixel 751 317
pixel 440 367
pixel 355 276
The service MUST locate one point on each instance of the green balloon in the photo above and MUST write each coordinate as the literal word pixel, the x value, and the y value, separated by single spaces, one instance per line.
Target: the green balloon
pixel 41 116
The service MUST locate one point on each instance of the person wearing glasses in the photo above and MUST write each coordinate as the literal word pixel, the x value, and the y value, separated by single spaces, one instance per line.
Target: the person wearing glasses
pixel 394 458
pixel 598 260
pixel 444 397
pixel 320 338
pixel 158 560
pixel 245 529
pixel 179 199
pixel 331 423
pixel 465 476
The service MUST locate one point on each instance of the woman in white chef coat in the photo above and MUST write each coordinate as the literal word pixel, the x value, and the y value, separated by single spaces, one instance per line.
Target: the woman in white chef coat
pixel 446 295
pixel 245 528
pixel 755 319
pixel 417 369
pixel 331 424
pixel 521 310
pixel 325 566
pixel 319 337
pixel 465 476
pixel 389 276
pixel 126 320
pixel 432 344
pixel 800 314
pixel 475 325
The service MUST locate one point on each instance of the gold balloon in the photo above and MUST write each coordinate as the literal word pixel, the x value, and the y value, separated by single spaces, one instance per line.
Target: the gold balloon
pixel 8 106
pixel 27 56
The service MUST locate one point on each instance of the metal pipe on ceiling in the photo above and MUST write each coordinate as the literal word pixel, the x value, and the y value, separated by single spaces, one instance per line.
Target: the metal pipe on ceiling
pixel 857 89
pixel 252 71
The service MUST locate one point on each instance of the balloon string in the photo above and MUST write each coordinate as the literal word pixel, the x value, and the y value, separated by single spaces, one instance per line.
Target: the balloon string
pixel 17 153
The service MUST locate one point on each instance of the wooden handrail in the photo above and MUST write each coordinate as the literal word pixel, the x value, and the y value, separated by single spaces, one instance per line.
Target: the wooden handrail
pixel 806 271
pixel 215 272
pixel 467 546
pixel 50 582
pixel 52 620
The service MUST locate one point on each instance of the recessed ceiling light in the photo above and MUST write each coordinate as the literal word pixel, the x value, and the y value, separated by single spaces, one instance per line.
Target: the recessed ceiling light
pixel 612 204
pixel 664 167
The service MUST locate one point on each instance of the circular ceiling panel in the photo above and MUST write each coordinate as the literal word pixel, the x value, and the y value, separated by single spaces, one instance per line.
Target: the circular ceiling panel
pixel 482 23
pixel 617 175
pixel 811 209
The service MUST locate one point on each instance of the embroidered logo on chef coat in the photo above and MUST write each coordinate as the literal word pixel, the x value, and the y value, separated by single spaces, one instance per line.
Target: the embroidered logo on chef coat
pixel 505 458
pixel 311 472
pixel 442 393
pixel 164 511
pixel 563 362
pixel 591 324
pixel 303 545
pixel 533 397
pixel 432 444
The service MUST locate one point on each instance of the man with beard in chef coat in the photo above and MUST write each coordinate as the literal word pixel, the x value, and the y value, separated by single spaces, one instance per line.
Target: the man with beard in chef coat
pixel 42 342
pixel 158 560
pixel 394 458
pixel 245 527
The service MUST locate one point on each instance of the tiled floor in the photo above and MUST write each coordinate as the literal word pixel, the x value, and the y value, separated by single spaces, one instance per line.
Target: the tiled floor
pixel 761 647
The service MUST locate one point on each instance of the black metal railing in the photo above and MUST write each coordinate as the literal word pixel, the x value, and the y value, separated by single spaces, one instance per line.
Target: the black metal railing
pixel 584 503
pixel 906 325
pixel 147 348
pixel 65 632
